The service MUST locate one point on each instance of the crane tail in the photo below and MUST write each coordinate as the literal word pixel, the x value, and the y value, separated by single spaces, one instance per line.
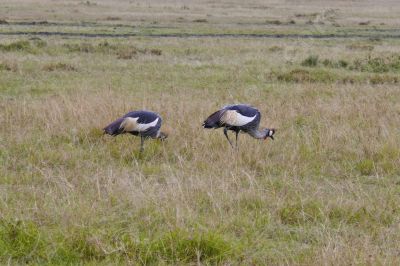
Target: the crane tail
pixel 114 128
pixel 214 120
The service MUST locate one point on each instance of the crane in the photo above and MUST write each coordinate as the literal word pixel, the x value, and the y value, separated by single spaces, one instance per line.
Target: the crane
pixel 239 117
pixel 145 124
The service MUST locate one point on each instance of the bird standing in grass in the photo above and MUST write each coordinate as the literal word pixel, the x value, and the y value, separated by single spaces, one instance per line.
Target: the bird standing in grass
pixel 145 124
pixel 239 117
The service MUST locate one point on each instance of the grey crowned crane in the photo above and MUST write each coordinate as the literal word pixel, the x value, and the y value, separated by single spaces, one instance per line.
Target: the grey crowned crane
pixel 239 117
pixel 145 124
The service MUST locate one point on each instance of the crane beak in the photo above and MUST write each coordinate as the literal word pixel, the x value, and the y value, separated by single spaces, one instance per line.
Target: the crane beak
pixel 272 137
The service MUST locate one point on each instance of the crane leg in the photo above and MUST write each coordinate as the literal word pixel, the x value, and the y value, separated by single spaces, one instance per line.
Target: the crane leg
pixel 226 135
pixel 141 144
pixel 237 143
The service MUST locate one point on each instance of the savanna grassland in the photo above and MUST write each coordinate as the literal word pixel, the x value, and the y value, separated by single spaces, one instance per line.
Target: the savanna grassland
pixel 325 192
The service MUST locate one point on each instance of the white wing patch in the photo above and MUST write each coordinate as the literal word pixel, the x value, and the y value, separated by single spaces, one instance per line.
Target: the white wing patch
pixel 144 127
pixel 233 118
pixel 131 124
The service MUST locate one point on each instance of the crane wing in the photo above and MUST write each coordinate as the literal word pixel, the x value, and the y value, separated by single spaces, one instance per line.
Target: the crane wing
pixel 233 118
pixel 130 124
pixel 214 120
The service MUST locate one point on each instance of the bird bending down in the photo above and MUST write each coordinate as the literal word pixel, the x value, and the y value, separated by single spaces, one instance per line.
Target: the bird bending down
pixel 145 124
pixel 239 117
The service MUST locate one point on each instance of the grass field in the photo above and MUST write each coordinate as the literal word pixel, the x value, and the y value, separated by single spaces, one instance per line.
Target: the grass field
pixel 325 192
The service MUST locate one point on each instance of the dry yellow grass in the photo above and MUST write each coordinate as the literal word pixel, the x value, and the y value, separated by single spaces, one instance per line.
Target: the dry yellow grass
pixel 326 191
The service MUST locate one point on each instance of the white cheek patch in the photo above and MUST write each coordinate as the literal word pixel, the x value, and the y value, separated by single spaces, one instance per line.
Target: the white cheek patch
pixel 130 124
pixel 233 118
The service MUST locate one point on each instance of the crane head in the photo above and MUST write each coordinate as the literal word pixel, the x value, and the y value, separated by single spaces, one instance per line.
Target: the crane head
pixel 270 133
pixel 163 136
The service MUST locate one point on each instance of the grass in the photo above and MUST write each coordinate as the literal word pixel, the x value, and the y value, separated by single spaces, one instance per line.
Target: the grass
pixel 311 61
pixel 121 51
pixel 8 66
pixel 377 64
pixel 21 45
pixel 23 242
pixel 325 191
pixel 59 66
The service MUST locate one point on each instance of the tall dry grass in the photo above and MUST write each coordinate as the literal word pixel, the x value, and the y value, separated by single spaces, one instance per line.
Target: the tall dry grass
pixel 61 171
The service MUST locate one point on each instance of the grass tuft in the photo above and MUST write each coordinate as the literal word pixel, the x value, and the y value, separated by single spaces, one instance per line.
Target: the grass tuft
pixel 27 46
pixel 339 64
pixel 182 246
pixel 377 64
pixel 200 20
pixel 304 75
pixel 366 167
pixel 21 45
pixel 310 61
pixel 298 213
pixel 20 240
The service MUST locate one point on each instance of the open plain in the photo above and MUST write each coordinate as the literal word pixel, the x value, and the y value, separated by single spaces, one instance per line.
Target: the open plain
pixel 326 74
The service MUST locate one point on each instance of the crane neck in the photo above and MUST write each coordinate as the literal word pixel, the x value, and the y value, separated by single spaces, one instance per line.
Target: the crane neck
pixel 258 134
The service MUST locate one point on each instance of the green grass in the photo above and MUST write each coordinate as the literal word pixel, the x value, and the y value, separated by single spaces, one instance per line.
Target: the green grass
pixel 24 242
pixel 378 64
pixel 22 45
pixel 311 61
